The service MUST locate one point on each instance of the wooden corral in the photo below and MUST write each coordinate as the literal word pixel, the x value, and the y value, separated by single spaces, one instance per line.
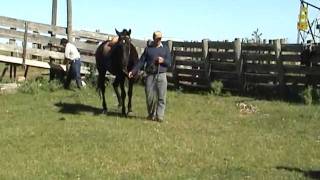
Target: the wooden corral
pixel 240 65
pixel 32 42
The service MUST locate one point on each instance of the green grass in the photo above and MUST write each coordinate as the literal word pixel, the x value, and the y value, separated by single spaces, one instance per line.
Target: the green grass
pixel 62 135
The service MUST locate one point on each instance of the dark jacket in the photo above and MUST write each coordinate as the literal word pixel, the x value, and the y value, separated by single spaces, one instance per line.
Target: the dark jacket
pixel 148 58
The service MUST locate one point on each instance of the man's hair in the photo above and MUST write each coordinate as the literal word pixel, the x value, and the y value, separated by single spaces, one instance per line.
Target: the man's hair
pixel 64 41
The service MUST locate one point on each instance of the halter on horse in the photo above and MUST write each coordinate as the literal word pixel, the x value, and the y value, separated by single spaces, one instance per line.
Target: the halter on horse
pixel 118 61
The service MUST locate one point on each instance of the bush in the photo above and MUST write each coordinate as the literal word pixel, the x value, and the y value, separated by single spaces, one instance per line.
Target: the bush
pixel 29 87
pixel 306 95
pixel 40 83
pixel 216 88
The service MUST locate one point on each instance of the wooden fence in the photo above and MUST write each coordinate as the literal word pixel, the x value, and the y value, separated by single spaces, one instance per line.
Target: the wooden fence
pixel 241 65
pixel 34 42
pixel 237 65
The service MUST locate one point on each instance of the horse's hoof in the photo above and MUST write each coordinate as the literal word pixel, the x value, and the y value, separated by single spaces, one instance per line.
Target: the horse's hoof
pixel 124 114
pixel 104 111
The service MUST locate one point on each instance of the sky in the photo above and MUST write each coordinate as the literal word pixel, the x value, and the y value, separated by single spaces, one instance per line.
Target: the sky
pixel 187 20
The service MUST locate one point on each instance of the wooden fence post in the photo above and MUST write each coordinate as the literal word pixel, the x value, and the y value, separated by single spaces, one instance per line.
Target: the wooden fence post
pixel 24 55
pixel 174 70
pixel 54 13
pixel 170 50
pixel 205 50
pixel 12 67
pixel 277 47
pixel 69 20
pixel 239 62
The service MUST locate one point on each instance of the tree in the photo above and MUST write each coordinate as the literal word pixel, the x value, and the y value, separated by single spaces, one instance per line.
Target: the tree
pixel 256 36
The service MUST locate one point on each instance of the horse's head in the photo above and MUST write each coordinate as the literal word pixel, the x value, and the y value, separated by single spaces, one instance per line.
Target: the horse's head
pixel 123 45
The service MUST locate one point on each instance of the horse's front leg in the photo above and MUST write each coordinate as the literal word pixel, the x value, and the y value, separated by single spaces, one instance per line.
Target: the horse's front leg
pixel 130 89
pixel 116 90
pixel 123 96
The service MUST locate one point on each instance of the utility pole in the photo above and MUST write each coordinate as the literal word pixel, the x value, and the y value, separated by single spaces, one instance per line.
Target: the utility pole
pixel 69 20
pixel 54 13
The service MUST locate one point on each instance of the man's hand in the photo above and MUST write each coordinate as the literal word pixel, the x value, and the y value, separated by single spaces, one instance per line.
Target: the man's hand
pixel 130 74
pixel 160 60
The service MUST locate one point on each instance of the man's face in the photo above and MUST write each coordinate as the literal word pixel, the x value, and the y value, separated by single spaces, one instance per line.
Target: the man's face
pixel 157 41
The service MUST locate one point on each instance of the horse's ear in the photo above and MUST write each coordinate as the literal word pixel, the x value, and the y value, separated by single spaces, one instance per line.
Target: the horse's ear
pixel 129 32
pixel 118 33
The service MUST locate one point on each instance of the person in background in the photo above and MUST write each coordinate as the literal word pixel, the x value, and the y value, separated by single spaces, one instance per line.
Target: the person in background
pixel 72 55
pixel 157 59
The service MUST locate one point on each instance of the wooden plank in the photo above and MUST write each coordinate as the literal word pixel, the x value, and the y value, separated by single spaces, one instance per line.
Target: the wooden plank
pixel 187 54
pixel 35 63
pixel 11 22
pixel 292 47
pixel 32 38
pixel 42 53
pixel 85 47
pixel 290 58
pixel 257 47
pixel 19 24
pixel 260 78
pixel 190 63
pixel 15 60
pixel 31 51
pixel 44 28
pixel 295 79
pixel 220 55
pixel 187 44
pixel 193 72
pixel 261 68
pixel 223 66
pixel 259 57
pixel 223 75
pixel 302 70
pixel 220 45
pixel 92 35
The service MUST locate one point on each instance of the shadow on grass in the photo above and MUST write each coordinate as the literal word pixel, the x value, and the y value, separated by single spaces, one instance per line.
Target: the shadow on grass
pixel 69 108
pixel 308 174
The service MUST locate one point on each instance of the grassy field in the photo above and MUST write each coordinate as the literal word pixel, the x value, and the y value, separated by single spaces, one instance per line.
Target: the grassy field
pixel 62 135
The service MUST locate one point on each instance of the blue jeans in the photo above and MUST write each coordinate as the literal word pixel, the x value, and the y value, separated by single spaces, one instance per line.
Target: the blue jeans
pixel 156 90
pixel 74 73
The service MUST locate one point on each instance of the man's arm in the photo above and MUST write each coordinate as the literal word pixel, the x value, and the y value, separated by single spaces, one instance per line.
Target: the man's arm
pixel 140 64
pixel 166 60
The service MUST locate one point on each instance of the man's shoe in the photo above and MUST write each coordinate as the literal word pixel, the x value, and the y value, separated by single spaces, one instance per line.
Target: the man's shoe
pixel 159 120
pixel 150 118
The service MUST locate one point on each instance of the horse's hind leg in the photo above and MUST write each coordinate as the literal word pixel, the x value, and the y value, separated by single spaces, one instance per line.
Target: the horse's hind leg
pixel 130 89
pixel 102 88
pixel 116 90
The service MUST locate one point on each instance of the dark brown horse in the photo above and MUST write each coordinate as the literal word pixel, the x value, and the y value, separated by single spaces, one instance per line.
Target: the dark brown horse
pixel 118 61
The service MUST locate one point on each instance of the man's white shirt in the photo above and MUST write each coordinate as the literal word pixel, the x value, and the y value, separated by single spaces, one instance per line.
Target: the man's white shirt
pixel 71 52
